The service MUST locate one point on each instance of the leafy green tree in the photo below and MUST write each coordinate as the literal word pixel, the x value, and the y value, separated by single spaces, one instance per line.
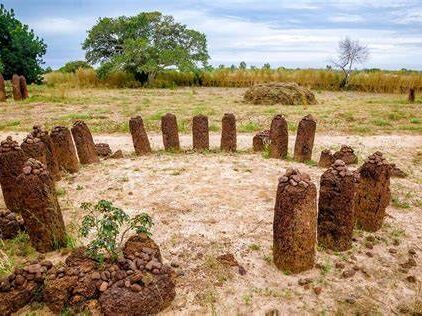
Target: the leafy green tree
pixel 145 45
pixel 266 66
pixel 21 50
pixel 242 65
pixel 72 66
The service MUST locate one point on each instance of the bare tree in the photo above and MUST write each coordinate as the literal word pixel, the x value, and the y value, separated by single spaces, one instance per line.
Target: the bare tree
pixel 350 52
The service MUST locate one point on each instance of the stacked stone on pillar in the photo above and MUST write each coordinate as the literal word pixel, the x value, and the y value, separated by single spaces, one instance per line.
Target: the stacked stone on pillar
pixel 3 96
pixel 23 87
pixel 12 159
pixel 261 140
pixel 200 133
pixel 228 133
pixel 373 193
pixel 139 136
pixel 170 132
pixel 279 137
pixel 16 88
pixel 40 210
pixel 336 218
pixel 347 154
pixel 84 143
pixel 305 139
pixel 295 223
pixel 64 149
pixel 34 148
pixel 326 159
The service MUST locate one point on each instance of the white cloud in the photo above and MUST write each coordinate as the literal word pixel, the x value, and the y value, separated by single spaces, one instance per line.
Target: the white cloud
pixel 346 18
pixel 60 26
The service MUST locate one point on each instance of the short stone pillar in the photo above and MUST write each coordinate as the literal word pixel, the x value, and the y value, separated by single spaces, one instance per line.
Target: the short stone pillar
pixel 295 223
pixel 336 218
pixel 170 132
pixel 16 88
pixel 103 150
pixel 200 133
pixel 279 136
pixel 326 159
pixel 373 193
pixel 34 148
pixel 84 143
pixel 41 211
pixel 305 139
pixel 261 140
pixel 411 96
pixel 12 159
pixel 139 136
pixel 228 133
pixel 23 87
pixel 2 89
pixel 64 149
pixel 347 154
pixel 10 225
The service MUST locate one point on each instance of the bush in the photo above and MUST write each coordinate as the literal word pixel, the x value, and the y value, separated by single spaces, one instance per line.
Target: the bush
pixel 73 66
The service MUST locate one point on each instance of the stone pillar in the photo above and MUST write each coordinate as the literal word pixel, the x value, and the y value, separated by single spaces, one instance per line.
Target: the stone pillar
pixel 295 223
pixel 228 133
pixel 41 211
pixel 200 133
pixel 139 136
pixel 411 97
pixel 34 148
pixel 373 193
pixel 16 88
pixel 326 159
pixel 64 149
pixel 170 132
pixel 12 159
pixel 336 218
pixel 103 150
pixel 261 140
pixel 2 89
pixel 347 154
pixel 10 225
pixel 23 87
pixel 84 143
pixel 305 139
pixel 279 135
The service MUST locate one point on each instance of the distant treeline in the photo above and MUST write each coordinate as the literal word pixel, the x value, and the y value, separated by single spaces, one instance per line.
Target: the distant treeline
pixel 372 80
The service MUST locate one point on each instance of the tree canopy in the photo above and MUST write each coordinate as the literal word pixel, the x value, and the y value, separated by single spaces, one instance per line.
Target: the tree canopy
pixel 72 66
pixel 145 44
pixel 21 50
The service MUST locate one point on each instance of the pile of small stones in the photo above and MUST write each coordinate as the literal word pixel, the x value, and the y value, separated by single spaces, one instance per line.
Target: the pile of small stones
pixel 36 135
pixel 33 166
pixel 8 145
pixel 377 158
pixel 347 154
pixel 339 167
pixel 10 224
pixel 34 272
pixel 103 150
pixel 294 177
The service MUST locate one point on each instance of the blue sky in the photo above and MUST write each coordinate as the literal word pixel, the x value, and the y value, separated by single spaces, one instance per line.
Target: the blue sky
pixel 296 33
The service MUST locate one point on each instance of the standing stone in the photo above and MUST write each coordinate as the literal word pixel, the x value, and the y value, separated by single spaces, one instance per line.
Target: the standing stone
pixel 200 133
pixel 411 97
pixel 64 149
pixel 305 139
pixel 12 159
pixel 10 225
pixel 2 89
pixel 347 154
pixel 261 140
pixel 373 193
pixel 170 132
pixel 103 150
pixel 228 133
pixel 279 136
pixel 41 211
pixel 336 218
pixel 16 88
pixel 84 142
pixel 34 148
pixel 326 159
pixel 23 87
pixel 139 136
pixel 295 223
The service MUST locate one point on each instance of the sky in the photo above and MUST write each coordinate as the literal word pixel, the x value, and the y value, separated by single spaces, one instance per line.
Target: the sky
pixel 296 33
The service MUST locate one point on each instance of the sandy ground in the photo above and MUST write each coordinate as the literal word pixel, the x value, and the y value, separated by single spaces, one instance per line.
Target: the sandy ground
pixel 206 205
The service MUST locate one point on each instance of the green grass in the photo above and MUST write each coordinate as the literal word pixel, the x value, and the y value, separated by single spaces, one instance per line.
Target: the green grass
pixel 249 127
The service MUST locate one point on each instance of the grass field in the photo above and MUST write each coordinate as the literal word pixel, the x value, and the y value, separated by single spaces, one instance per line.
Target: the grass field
pixel 108 110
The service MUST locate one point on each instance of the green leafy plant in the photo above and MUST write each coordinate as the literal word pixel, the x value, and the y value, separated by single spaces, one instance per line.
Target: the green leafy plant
pixel 106 222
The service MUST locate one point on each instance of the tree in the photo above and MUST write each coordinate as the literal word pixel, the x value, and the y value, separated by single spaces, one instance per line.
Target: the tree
pixel 72 66
pixel 349 53
pixel 21 50
pixel 242 65
pixel 266 66
pixel 144 45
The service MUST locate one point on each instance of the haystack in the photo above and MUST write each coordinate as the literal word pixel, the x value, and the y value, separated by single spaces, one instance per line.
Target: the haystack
pixel 279 93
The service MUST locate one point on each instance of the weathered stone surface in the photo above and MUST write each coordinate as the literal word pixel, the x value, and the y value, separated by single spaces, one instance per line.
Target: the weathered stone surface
pixel 228 133
pixel 261 140
pixel 200 133
pixel 139 136
pixel 23 87
pixel 12 159
pixel 35 148
pixel 279 136
pixel 16 88
pixel 336 218
pixel 295 223
pixel 411 96
pixel 305 139
pixel 10 225
pixel 40 209
pixel 103 150
pixel 118 154
pixel 347 154
pixel 84 143
pixel 170 132
pixel 136 244
pixel 397 172
pixel 326 159
pixel 3 96
pixel 373 194
pixel 64 149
